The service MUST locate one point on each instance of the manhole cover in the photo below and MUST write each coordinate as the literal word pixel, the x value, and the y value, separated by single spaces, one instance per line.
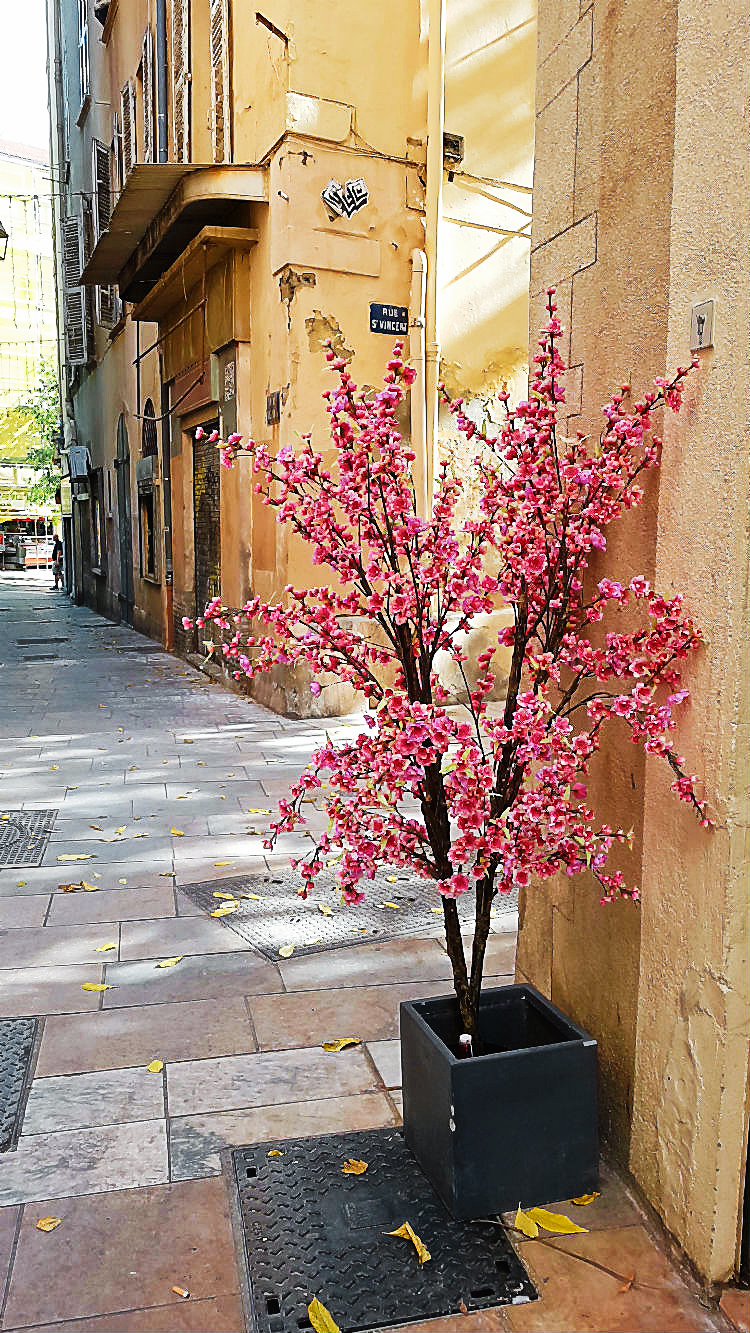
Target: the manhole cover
pixel 396 903
pixel 16 1049
pixel 24 835
pixel 311 1231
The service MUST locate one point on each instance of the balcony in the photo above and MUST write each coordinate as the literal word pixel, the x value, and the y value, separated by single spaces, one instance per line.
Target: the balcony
pixel 161 210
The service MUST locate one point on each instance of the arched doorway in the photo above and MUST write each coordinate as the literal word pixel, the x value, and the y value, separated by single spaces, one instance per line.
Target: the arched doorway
pixel 124 522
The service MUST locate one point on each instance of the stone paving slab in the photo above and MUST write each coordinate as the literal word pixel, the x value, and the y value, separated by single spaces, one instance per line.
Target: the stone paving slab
pixel 108 1098
pixel 266 1079
pixel 196 977
pixel 85 1161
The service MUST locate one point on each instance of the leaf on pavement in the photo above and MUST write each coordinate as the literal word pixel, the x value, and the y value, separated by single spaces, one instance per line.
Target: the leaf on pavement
pixel 177 832
pixel 231 897
pixel 556 1223
pixel 223 863
pixel 181 1291
pixel 254 810
pixel 98 827
pixel 255 897
pixel 48 1223
pixel 96 986
pixel 226 909
pixel 155 1067
pixel 395 906
pixel 353 1167
pixel 70 888
pixel 321 1319
pixel 89 888
pixel 21 884
pixel 286 951
pixel 105 948
pixel 187 741
pixel 78 856
pixel 274 1152
pixel 522 1222
pixel 391 879
pixel 54 768
pixel 170 962
pixel 584 1199
pixel 627 1284
pixel 340 1044
pixel 406 1232
pixel 325 909
pixel 121 829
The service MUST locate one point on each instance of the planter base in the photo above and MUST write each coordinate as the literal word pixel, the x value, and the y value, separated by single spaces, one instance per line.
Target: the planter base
pixel 517 1124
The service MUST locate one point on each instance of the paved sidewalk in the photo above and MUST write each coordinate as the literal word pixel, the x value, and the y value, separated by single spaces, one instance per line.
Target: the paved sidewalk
pixel 157 776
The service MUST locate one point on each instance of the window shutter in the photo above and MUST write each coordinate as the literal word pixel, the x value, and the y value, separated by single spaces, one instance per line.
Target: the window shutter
pixel 106 307
pixel 116 158
pixel 181 79
pixel 127 112
pixel 220 80
pixel 76 340
pixel 148 96
pixel 101 188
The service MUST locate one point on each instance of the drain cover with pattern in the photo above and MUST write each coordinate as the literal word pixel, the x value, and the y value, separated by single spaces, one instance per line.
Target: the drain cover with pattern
pixel 396 903
pixel 16 1048
pixel 24 835
pixel 311 1231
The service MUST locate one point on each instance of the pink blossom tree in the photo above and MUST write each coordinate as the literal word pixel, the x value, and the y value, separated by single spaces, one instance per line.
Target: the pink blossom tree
pixel 478 797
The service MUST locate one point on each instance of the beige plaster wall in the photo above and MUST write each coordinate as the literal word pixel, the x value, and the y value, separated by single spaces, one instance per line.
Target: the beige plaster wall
pixel 627 156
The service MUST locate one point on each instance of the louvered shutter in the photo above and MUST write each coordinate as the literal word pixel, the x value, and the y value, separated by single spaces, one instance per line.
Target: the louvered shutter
pixel 101 189
pixel 148 96
pixel 181 79
pixel 220 134
pixel 106 307
pixel 129 145
pixel 76 340
pixel 116 158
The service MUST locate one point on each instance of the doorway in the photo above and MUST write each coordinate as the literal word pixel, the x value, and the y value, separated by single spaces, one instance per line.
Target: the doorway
pixel 125 596
pixel 207 530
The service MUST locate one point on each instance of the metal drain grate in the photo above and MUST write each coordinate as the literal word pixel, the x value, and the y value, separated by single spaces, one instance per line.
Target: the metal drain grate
pixel 17 1037
pixel 24 835
pixel 277 916
pixel 311 1231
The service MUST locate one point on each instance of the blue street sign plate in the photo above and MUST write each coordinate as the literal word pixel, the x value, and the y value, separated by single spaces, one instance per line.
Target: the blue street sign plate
pixel 389 318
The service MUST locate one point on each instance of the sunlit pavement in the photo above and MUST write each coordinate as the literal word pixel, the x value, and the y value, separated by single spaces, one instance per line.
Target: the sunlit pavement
pixel 158 776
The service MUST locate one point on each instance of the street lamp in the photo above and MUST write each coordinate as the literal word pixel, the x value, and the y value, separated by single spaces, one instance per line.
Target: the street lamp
pixel 3 242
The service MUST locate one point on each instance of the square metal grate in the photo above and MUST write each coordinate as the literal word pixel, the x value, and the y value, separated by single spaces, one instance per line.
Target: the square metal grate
pixel 310 1231
pixel 24 835
pixel 396 903
pixel 17 1036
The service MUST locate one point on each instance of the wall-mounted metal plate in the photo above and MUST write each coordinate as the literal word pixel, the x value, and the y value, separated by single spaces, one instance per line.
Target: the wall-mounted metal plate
pixel 702 326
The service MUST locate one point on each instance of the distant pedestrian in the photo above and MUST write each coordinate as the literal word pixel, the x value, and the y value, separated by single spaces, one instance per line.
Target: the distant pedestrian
pixel 57 561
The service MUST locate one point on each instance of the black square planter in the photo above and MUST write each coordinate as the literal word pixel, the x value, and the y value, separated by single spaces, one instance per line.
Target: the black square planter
pixel 515 1125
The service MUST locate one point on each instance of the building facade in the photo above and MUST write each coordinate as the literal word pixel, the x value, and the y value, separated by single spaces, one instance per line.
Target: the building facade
pixel 251 185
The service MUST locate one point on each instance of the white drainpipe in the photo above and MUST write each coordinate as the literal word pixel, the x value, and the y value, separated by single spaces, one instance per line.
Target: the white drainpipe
pixel 417 359
pixel 433 211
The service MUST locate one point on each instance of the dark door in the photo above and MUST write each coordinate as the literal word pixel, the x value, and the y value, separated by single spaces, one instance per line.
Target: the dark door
pixel 207 520
pixel 124 523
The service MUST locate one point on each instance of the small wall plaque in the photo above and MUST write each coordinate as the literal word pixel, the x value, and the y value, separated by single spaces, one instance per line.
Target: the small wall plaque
pixel 702 326
pixel 389 318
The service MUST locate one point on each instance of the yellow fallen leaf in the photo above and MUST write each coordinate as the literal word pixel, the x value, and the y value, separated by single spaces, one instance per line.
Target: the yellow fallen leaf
pixel 407 1233
pixel 584 1199
pixel 226 909
pixel 73 788
pixel 321 1319
pixel 274 1152
pixel 89 888
pixel 627 1284
pixel 325 909
pixel 254 810
pixel 177 832
pixel 286 951
pixel 98 827
pixel 121 829
pixel 48 1223
pixel 255 897
pixel 353 1167
pixel 437 910
pixel 187 741
pixel 163 874
pixel 54 768
pixel 69 888
pixel 391 879
pixel 95 986
pixel 522 1222
pixel 557 1223
pixel 181 1291
pixel 230 896
pixel 105 948
pixel 223 863
pixel 79 856
pixel 170 962
pixel 21 884
pixel 340 1044
pixel 155 1067
pixel 395 906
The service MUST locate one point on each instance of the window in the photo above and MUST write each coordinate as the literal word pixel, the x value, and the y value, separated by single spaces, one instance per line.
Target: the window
pixel 128 115
pixel 219 59
pixel 147 89
pixel 180 38
pixel 83 51
pixel 149 441
pixel 98 546
pixel 148 535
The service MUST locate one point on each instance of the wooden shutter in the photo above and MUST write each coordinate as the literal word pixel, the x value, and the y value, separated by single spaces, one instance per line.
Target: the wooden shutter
pixel 76 340
pixel 106 307
pixel 116 158
pixel 181 79
pixel 101 188
pixel 129 143
pixel 220 125
pixel 148 96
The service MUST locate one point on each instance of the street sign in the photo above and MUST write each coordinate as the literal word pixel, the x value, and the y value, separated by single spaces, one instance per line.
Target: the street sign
pixel 389 318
